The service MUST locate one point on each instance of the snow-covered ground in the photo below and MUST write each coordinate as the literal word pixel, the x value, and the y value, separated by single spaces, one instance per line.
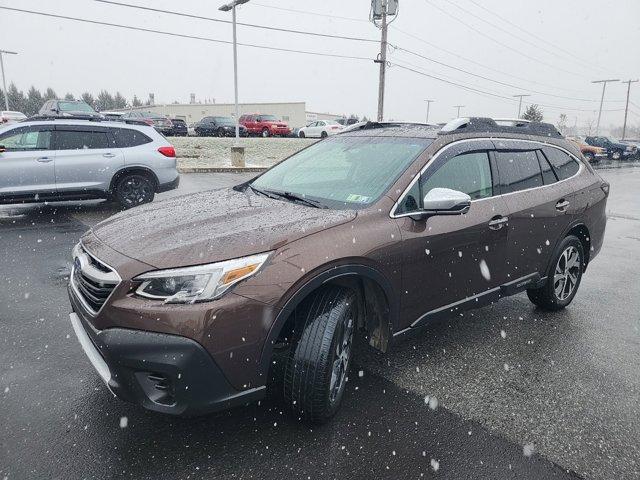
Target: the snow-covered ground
pixel 216 152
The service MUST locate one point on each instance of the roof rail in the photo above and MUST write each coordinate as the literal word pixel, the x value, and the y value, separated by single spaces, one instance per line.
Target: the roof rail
pixel 499 125
pixel 369 125
pixel 128 121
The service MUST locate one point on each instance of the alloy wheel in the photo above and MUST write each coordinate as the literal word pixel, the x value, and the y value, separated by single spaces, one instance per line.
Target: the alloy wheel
pixel 566 273
pixel 135 190
pixel 342 356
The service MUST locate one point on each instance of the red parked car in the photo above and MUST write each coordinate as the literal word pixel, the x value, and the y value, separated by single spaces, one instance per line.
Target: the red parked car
pixel 265 125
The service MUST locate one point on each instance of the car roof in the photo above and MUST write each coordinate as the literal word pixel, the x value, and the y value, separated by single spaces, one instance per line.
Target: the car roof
pixel 78 122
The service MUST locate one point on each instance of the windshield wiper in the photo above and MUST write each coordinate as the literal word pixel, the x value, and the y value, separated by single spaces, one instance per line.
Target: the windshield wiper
pixel 290 196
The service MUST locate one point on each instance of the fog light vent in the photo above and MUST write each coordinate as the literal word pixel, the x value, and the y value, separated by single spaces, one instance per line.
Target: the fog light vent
pixel 158 387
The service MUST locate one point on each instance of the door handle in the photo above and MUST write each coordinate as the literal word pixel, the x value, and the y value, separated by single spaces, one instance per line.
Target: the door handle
pixel 562 205
pixel 108 155
pixel 44 159
pixel 498 222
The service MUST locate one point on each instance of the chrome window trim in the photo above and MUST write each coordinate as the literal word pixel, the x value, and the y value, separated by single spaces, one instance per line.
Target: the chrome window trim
pixel 74 288
pixel 392 213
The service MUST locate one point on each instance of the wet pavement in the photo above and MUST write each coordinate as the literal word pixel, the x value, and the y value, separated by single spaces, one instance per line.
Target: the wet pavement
pixel 557 397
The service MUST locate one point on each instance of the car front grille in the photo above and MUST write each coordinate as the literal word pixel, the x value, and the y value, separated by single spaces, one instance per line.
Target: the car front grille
pixel 92 280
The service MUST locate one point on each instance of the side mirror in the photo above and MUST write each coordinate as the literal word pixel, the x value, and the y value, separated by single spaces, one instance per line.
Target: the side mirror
pixel 444 201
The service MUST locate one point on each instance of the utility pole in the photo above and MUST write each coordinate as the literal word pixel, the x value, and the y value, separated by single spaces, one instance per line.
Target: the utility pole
pixel 225 8
pixel 604 85
pixel 380 11
pixel 458 107
pixel 626 108
pixel 520 102
pixel 4 82
pixel 428 105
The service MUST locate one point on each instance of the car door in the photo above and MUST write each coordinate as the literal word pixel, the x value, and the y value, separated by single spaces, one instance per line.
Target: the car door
pixel 317 130
pixel 311 129
pixel 86 158
pixel 27 164
pixel 451 260
pixel 537 203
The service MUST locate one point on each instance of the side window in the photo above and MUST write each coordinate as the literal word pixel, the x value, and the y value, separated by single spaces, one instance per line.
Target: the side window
pixel 518 171
pixel 468 173
pixel 26 139
pixel 548 176
pixel 564 165
pixel 126 137
pixel 80 140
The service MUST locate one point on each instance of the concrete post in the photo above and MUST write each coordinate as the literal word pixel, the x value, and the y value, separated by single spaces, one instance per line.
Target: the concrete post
pixel 237 157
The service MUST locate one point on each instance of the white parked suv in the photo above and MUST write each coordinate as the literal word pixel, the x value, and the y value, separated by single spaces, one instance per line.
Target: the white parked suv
pixel 70 159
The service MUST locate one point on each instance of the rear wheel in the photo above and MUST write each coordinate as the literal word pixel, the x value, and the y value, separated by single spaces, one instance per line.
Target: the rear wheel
pixel 616 155
pixel 563 278
pixel 221 132
pixel 589 156
pixel 134 189
pixel 324 135
pixel 318 364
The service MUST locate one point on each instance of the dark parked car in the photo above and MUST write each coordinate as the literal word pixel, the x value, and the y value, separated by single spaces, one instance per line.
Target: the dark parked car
pixel 159 122
pixel 178 128
pixel 68 108
pixel 219 127
pixel 372 233
pixel 615 149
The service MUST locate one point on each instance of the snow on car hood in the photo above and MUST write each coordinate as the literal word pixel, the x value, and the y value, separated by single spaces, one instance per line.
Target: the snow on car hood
pixel 211 226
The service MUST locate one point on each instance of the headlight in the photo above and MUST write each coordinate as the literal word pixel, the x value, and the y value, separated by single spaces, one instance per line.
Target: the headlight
pixel 198 284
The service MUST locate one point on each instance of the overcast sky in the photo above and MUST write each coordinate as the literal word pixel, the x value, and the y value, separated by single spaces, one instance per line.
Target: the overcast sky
pixel 594 39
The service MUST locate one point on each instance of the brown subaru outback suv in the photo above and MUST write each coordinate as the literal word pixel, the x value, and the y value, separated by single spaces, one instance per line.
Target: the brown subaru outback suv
pixel 196 303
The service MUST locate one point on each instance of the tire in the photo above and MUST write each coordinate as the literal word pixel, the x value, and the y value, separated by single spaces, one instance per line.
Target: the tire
pixel 301 134
pixel 589 157
pixel 324 135
pixel 134 189
pixel 562 282
pixel 318 364
pixel 265 133
pixel 616 155
pixel 220 132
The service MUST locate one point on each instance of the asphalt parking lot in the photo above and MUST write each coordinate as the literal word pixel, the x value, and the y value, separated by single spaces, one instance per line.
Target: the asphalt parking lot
pixel 555 396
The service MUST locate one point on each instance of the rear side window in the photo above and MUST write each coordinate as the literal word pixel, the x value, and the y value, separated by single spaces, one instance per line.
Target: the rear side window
pixel 126 137
pixel 518 171
pixel 80 140
pixel 564 165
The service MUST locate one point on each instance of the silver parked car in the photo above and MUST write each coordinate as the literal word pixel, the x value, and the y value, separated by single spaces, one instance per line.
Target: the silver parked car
pixel 61 159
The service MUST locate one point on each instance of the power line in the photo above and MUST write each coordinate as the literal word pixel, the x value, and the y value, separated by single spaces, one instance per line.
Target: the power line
pixel 293 10
pixel 524 40
pixel 193 37
pixel 502 44
pixel 499 82
pixel 252 25
pixel 537 37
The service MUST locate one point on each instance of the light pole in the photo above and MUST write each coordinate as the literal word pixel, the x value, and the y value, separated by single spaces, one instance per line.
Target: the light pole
pixel 626 108
pixel 458 107
pixel 520 103
pixel 604 85
pixel 428 105
pixel 4 83
pixel 225 8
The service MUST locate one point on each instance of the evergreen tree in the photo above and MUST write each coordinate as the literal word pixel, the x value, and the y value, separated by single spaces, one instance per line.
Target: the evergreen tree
pixel 50 94
pixel 88 99
pixel 17 100
pixel 104 101
pixel 533 113
pixel 69 96
pixel 136 102
pixel 34 102
pixel 119 101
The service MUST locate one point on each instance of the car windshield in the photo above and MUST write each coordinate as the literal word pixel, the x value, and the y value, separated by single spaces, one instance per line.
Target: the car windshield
pixel 268 118
pixel 75 107
pixel 224 120
pixel 343 172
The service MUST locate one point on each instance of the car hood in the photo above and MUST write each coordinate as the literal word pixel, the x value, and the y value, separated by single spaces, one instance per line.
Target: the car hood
pixel 211 226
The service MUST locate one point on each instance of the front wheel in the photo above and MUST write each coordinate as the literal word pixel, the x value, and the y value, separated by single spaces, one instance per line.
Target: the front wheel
pixel 616 155
pixel 301 134
pixel 318 364
pixel 563 278
pixel 134 189
pixel 265 133
pixel 589 157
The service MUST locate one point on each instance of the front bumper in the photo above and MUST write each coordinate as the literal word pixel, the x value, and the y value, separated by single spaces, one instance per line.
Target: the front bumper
pixel 161 372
